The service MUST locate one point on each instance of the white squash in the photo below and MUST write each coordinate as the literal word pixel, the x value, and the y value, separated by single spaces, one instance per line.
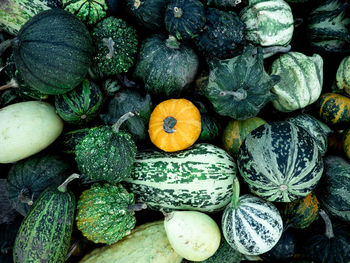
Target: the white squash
pixel 27 128
pixel 192 234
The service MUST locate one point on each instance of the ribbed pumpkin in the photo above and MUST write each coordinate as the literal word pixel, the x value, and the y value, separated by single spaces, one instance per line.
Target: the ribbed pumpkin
pixel 236 131
pixel 52 51
pixel 301 212
pixel 343 75
pixel 334 108
pixel 105 213
pixel 280 162
pixel 174 125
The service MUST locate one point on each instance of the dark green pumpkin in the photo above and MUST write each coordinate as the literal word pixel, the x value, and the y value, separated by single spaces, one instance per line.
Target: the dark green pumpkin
pixel 130 101
pixel 184 18
pixel 165 65
pixel 80 105
pixel 31 176
pixel 68 140
pixel 52 51
pixel 334 108
pixel 223 35
pixel 45 232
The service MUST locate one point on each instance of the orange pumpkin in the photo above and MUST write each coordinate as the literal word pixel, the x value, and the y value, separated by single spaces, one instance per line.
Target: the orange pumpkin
pixel 175 124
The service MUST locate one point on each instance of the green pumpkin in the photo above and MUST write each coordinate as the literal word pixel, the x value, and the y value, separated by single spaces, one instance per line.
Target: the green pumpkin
pixel 130 101
pixel 328 27
pixel 184 18
pixel 165 65
pixel 333 191
pixel 88 11
pixel 80 105
pixel 106 153
pixel 239 87
pixel 343 75
pixel 268 22
pixel 52 52
pixel 301 80
pixel 105 213
pixel 223 35
pixel 28 178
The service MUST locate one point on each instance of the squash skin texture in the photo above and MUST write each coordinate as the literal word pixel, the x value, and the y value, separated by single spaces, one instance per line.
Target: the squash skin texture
pixel 334 108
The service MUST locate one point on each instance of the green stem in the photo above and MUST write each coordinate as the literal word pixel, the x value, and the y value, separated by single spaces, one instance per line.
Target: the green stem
pixel 12 84
pixel 122 119
pixel 177 12
pixel 270 51
pixel 63 186
pixel 169 124
pixel 172 42
pixel 329 228
pixel 137 207
pixel 235 197
pixel 5 45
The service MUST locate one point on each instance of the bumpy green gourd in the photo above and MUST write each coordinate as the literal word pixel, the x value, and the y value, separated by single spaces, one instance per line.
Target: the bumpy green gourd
pixel 239 87
pixel 343 75
pixel 88 11
pixel 106 153
pixel 106 213
pixel 116 46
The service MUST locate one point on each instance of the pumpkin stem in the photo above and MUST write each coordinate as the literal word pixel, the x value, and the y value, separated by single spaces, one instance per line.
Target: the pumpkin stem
pixel 12 84
pixel 109 43
pixel 238 95
pixel 177 12
pixel 167 216
pixel 235 196
pixel 137 3
pixel 169 124
pixel 137 207
pixel 63 186
pixel 25 197
pixel 270 51
pixel 122 119
pixel 172 42
pixel 329 228
pixel 5 45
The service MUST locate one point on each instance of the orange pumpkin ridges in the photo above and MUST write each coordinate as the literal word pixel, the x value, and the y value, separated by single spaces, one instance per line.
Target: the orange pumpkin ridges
pixel 175 124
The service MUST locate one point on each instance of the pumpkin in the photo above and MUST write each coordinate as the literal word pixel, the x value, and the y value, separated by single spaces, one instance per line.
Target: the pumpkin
pixel 301 80
pixel 239 87
pixel 184 18
pixel 174 125
pixel 106 153
pixel 88 11
pixel 52 51
pixel 165 66
pixel 236 131
pixel 280 162
pixel 28 178
pixel 80 105
pixel 301 212
pixel 223 35
pixel 343 75
pixel 105 213
pixel 334 108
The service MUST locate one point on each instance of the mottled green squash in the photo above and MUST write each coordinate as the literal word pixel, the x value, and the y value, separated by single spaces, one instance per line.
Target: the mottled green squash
pixel 88 11
pixel 343 75
pixel 81 105
pixel 334 108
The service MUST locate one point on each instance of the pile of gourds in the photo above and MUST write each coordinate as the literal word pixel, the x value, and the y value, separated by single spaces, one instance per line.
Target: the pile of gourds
pixel 174 131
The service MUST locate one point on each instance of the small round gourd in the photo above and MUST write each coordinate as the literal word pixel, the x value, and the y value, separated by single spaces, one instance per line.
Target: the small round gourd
pixel 174 125
pixel 193 235
pixel 343 75
pixel 334 108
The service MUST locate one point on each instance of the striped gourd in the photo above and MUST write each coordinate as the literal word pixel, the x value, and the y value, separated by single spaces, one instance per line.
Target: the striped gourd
pixel 343 75
pixel 333 191
pixel 199 178
pixel 251 225
pixel 45 232
pixel 301 80
pixel 280 162
pixel 268 22
pixel 334 108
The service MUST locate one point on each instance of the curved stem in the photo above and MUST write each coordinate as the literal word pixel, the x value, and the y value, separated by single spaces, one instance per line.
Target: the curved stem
pixel 137 207
pixel 236 192
pixel 121 120
pixel 270 51
pixel 63 186
pixel 329 228
pixel 12 84
pixel 5 45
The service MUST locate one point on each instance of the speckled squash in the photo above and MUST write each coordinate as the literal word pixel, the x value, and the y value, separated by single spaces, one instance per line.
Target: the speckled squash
pixel 236 131
pixel 301 212
pixel 343 75
pixel 105 213
pixel 280 162
pixel 334 108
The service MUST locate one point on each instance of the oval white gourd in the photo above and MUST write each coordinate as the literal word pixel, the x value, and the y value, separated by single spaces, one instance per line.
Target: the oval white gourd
pixel 192 234
pixel 27 128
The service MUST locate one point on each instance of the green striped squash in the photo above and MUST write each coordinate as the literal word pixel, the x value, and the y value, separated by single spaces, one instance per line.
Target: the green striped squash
pixel 251 225
pixel 80 105
pixel 280 162
pixel 268 22
pixel 301 80
pixel 199 178
pixel 52 51
pixel 333 191
pixel 236 131
pixel 45 232
pixel 343 75
pixel 334 108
